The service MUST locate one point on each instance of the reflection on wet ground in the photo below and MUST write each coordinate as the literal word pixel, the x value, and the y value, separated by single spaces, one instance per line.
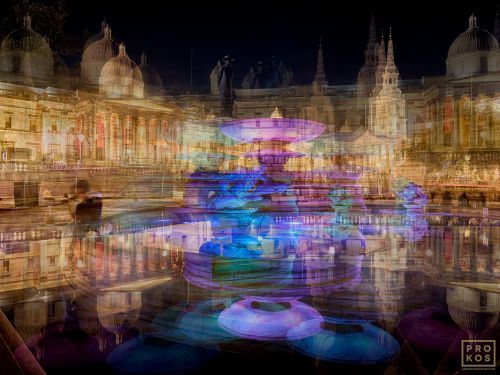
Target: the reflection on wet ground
pixel 377 290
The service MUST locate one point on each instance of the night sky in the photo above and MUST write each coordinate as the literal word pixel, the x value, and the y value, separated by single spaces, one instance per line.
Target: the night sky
pixel 253 30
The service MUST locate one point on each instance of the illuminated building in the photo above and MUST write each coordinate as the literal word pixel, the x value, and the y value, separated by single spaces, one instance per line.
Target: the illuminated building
pixel 436 131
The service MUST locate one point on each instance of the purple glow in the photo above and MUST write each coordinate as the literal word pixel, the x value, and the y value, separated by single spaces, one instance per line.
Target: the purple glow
pixel 271 129
pixel 270 152
pixel 268 318
pixel 412 196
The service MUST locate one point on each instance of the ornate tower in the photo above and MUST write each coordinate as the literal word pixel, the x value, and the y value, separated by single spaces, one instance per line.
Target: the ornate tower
pixel 381 63
pixel 387 106
pixel 320 80
pixel 366 75
pixel 391 74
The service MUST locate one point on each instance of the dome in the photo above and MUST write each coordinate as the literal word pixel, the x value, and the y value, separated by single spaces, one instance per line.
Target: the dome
pixel 153 84
pixel 472 40
pixel 98 36
pixel 27 53
pixel 474 51
pixel 95 56
pixel 268 74
pixel 120 76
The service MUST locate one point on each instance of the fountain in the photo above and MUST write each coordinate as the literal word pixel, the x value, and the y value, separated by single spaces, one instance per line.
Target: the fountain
pixel 272 135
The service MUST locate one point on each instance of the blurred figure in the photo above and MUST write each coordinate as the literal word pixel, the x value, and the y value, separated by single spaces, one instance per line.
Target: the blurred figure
pixel 464 200
pixel 446 198
pixel 85 207
pixel 482 199
pixel 432 195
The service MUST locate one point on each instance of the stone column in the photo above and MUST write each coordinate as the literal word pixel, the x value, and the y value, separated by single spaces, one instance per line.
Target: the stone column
pixel 135 146
pixel 93 138
pixel 64 137
pixel 158 259
pixel 123 126
pixel 45 133
pixel 473 124
pixel 106 136
pixel 133 256
pixel 145 258
pixel 106 254
pixel 473 247
pixel 456 123
pixel 457 236
pixel 111 123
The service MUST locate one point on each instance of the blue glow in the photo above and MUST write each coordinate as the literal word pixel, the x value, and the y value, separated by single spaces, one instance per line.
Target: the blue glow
pixel 151 354
pixel 349 341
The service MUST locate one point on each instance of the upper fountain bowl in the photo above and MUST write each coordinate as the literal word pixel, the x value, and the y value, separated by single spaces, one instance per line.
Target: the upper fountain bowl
pixel 272 129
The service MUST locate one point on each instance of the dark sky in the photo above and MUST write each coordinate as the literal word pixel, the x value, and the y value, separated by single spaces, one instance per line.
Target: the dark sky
pixel 252 30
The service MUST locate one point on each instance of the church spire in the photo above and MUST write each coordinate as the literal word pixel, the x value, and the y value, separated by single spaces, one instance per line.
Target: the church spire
pixel 381 50
pixel 391 74
pixel 381 64
pixel 390 50
pixel 372 38
pixel 367 73
pixel 320 77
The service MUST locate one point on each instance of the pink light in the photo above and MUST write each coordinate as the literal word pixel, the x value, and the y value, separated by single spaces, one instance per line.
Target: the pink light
pixel 270 152
pixel 252 318
pixel 272 129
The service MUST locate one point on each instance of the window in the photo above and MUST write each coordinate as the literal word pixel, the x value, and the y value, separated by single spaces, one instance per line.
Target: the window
pixel 52 261
pixel 53 126
pixel 5 266
pixel 8 121
pixel 31 263
pixel 33 127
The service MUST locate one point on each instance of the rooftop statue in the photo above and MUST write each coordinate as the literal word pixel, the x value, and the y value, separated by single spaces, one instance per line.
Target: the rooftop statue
pixel 226 91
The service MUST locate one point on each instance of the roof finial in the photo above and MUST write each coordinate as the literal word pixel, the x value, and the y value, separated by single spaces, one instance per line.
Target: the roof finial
pixel 27 21
pixel 143 59
pixel 121 51
pixel 103 24
pixel 107 32
pixel 472 21
pixel 390 32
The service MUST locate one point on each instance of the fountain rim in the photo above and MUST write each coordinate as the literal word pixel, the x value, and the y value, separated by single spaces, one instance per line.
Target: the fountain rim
pixel 316 127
